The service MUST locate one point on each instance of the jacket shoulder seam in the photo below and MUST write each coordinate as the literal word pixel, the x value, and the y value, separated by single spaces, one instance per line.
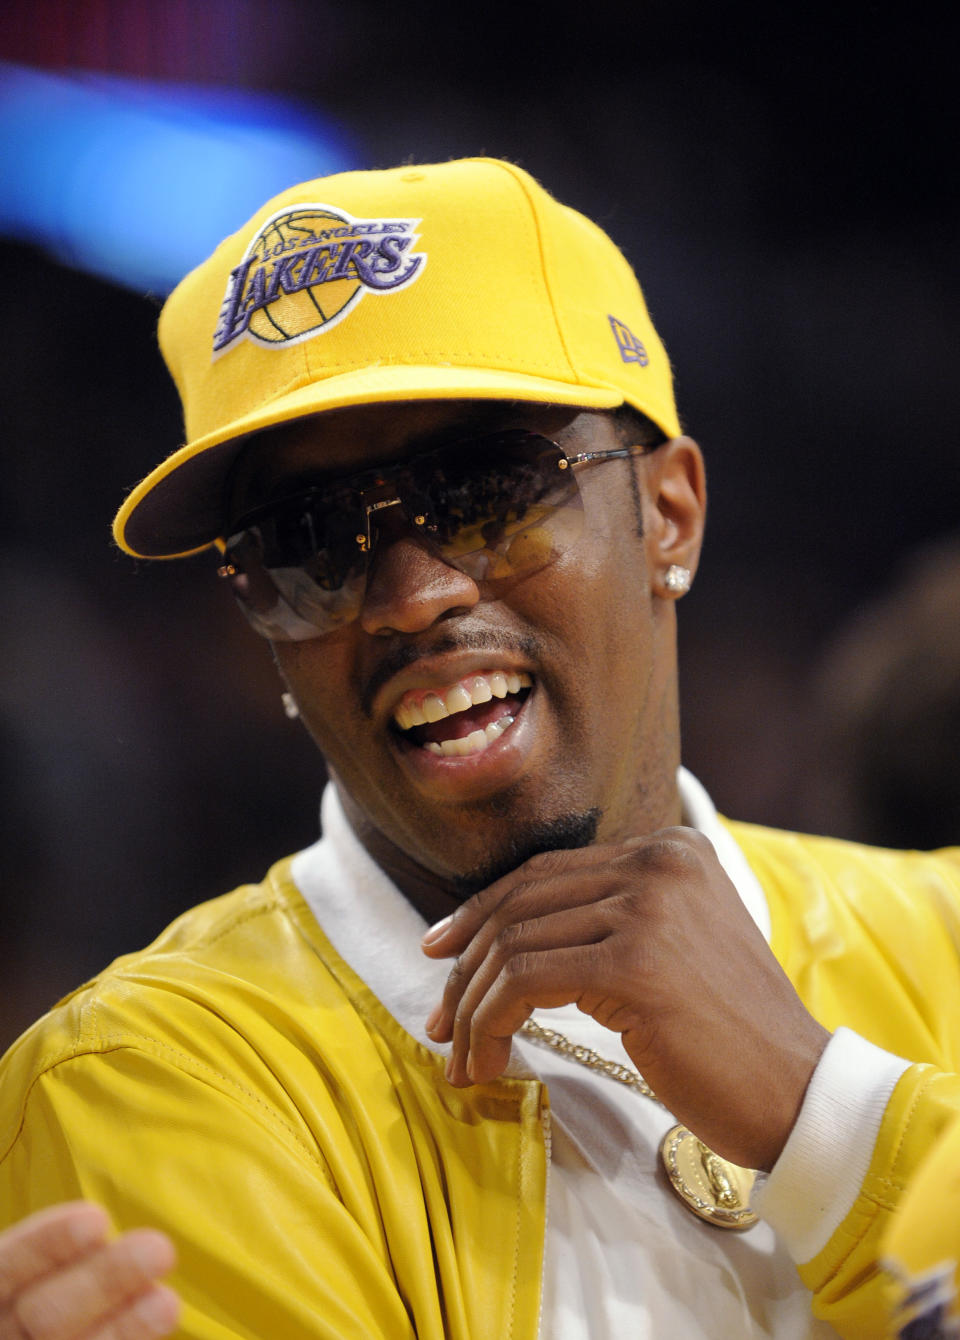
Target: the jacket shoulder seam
pixel 183 1061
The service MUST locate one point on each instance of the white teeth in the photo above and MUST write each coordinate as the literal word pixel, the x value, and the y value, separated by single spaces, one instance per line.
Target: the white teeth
pixel 474 743
pixel 404 716
pixel 496 728
pixel 458 700
pixel 433 708
pixel 480 691
pixel 469 744
pixel 471 692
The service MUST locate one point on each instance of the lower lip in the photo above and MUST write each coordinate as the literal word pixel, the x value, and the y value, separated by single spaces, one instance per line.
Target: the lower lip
pixel 469 776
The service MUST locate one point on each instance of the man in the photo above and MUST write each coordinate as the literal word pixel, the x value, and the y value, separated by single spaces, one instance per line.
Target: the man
pixel 431 431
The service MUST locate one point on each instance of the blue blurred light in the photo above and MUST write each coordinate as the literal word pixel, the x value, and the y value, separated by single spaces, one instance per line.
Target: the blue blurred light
pixel 138 181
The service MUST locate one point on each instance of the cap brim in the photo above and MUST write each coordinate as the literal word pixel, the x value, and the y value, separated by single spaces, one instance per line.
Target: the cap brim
pixel 177 509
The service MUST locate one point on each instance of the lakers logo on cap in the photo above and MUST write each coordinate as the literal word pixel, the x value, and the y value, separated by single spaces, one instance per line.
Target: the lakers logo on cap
pixel 307 268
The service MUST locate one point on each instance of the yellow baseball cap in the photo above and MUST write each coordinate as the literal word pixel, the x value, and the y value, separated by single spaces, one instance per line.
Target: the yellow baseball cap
pixel 456 281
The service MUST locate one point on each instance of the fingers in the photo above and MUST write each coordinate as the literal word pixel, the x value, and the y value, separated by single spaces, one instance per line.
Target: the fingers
pixel 50 1238
pixel 62 1281
pixel 501 946
pixel 652 939
pixel 491 1014
pixel 450 936
pixel 153 1313
pixel 536 947
pixel 553 901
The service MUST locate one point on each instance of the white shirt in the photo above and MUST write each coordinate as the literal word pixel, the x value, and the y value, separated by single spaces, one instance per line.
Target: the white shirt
pixel 623 1257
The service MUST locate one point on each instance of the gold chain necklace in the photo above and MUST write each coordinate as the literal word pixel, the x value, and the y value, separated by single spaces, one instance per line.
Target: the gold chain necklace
pixel 711 1187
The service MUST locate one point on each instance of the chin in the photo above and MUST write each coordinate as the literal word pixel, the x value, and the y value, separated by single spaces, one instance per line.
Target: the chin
pixel 566 831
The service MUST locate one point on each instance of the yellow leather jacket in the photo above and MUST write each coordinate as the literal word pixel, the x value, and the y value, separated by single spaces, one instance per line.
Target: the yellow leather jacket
pixel 238 1085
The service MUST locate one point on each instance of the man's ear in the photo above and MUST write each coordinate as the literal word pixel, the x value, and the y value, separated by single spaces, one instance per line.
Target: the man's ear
pixel 674 515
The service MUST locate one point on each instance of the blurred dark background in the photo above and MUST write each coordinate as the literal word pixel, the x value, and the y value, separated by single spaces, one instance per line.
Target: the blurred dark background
pixel 785 183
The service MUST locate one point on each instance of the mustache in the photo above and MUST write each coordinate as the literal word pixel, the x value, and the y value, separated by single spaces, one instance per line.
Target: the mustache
pixel 406 653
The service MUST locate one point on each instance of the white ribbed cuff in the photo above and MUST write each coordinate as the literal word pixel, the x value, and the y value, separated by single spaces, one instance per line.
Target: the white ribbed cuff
pixel 818 1176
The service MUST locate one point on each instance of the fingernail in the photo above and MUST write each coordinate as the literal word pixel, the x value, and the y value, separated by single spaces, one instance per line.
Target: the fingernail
pixel 435 932
pixel 432 1018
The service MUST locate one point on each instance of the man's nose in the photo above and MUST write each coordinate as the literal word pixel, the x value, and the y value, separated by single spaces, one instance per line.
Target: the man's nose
pixel 410 587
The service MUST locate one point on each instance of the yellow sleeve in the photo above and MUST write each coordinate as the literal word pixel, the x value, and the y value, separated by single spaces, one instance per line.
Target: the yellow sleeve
pixel 921 1247
pixel 851 1289
pixel 268 1245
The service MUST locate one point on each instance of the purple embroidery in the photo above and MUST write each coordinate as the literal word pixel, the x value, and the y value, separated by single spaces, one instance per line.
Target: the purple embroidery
pixel 631 349
pixel 291 253
pixel 925 1311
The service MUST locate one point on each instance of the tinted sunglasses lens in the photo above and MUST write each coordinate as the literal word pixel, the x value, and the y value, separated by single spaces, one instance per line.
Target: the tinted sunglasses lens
pixel 498 507
pixel 297 569
pixel 504 506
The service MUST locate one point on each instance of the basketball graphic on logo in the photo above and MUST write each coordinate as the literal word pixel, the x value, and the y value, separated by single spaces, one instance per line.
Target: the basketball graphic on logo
pixel 295 314
pixel 306 268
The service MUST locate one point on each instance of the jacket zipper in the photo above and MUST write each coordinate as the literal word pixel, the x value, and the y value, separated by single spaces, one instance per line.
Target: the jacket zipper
pixel 548 1147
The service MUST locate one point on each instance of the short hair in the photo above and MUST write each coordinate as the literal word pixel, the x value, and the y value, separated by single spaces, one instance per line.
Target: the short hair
pixel 634 428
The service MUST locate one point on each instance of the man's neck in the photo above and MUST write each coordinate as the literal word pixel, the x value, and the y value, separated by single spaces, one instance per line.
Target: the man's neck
pixel 431 895
pixel 435 896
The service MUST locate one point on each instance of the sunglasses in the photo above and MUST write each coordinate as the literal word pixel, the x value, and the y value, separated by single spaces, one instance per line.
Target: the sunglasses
pixel 503 505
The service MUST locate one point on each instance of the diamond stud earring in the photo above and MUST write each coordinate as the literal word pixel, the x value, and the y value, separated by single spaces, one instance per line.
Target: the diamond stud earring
pixel 677 579
pixel 290 707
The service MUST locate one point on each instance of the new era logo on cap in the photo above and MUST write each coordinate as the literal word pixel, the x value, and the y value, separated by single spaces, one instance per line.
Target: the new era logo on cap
pixel 631 349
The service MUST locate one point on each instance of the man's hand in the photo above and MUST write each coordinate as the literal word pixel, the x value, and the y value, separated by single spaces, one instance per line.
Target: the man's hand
pixel 60 1279
pixel 652 940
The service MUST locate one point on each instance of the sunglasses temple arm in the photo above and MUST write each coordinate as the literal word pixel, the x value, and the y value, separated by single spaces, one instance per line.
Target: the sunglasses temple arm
pixel 581 457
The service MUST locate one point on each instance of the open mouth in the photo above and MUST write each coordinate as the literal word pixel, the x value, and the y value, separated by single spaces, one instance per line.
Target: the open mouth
pixel 463 718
